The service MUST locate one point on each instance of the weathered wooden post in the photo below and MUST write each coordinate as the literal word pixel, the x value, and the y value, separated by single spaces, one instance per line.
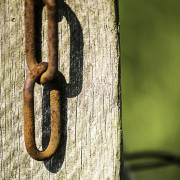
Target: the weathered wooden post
pixel 89 55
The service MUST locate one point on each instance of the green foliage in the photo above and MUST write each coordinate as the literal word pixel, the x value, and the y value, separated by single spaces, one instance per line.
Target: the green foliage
pixel 150 53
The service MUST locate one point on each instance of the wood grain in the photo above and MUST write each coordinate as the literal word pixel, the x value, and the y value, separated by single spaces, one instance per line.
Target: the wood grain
pixel 89 62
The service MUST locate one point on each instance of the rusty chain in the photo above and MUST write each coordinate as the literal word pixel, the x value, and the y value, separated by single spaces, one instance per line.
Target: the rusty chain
pixel 44 72
pixel 52 38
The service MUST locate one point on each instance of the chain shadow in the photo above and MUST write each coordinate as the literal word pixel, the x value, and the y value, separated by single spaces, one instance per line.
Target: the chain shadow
pixel 68 90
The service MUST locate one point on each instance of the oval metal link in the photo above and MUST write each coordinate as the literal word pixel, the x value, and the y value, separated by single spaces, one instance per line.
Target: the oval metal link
pixel 30 46
pixel 29 126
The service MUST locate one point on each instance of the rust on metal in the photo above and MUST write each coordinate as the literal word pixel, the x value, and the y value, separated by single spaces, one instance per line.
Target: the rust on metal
pixel 29 126
pixel 30 47
pixel 43 72
pixel 30 29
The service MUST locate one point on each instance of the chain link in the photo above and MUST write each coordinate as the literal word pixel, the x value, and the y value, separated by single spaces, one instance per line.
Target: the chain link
pixel 30 31
pixel 45 72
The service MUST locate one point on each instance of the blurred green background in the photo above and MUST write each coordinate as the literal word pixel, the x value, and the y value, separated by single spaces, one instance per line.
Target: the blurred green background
pixel 150 53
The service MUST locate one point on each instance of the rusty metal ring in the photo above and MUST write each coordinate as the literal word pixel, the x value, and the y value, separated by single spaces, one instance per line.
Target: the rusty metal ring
pixel 30 45
pixel 29 126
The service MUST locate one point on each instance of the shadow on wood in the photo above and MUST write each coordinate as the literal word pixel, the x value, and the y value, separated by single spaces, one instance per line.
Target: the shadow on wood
pixel 68 90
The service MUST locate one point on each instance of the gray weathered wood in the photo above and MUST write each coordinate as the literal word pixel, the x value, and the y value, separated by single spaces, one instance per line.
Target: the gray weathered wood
pixel 91 113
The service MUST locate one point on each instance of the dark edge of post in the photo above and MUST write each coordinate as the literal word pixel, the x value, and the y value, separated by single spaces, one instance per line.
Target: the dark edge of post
pixel 116 7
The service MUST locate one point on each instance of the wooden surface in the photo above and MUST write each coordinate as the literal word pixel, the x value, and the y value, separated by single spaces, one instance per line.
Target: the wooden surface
pixel 89 61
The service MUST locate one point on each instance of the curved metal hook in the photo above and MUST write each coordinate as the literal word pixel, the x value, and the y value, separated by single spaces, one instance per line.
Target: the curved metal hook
pixel 29 127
